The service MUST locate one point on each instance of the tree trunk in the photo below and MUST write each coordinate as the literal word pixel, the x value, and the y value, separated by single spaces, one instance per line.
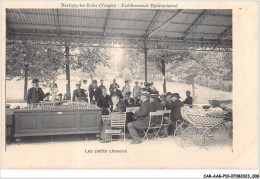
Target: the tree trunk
pixel 25 84
pixel 193 90
pixel 91 77
pixel 67 72
pixel 163 75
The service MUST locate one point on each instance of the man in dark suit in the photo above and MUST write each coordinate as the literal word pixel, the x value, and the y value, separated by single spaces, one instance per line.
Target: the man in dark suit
pixel 35 94
pixel 104 101
pixel 79 94
pixel 156 104
pixel 116 92
pixel 142 120
pixel 94 92
pixel 175 107
pixel 189 99
pixel 111 87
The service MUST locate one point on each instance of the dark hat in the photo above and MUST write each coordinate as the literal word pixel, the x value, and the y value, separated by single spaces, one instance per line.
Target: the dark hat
pixel 145 93
pixel 168 93
pixel 154 96
pixel 126 81
pixel 35 81
pixel 78 84
pixel 101 80
pixel 188 91
pixel 94 81
pixel 85 80
pixel 176 95
pixel 60 94
pixel 136 81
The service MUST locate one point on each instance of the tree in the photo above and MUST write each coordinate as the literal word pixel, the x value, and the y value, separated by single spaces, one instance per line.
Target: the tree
pixel 88 59
pixel 32 61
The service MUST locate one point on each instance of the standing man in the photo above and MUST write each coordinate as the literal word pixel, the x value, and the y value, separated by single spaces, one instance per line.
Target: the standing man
pixel 153 89
pixel 35 94
pixel 104 102
pixel 189 99
pixel 116 91
pixel 94 92
pixel 102 84
pixel 143 118
pixel 147 87
pixel 126 88
pixel 136 90
pixel 79 94
pixel 111 88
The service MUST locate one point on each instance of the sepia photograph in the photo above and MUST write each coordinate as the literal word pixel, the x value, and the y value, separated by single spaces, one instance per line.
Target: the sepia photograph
pixel 106 80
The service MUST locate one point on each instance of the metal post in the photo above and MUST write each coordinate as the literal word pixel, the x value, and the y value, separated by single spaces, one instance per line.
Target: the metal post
pixel 163 74
pixel 145 59
pixel 25 81
pixel 67 51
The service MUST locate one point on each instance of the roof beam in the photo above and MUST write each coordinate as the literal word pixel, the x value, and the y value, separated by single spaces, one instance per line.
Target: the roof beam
pixel 56 19
pixel 225 33
pixel 106 20
pixel 152 21
pixel 164 24
pixel 196 23
pixel 100 30
pixel 131 20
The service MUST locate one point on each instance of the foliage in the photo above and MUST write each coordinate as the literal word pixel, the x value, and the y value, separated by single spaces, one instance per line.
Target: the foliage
pixel 40 62
pixel 88 60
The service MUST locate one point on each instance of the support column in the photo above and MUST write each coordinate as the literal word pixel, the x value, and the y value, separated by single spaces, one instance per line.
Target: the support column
pixel 25 81
pixel 145 59
pixel 67 51
pixel 163 74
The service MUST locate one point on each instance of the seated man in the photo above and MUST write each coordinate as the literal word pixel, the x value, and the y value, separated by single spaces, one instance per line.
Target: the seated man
pixel 175 107
pixel 118 107
pixel 129 102
pixel 143 118
pixel 156 104
pixel 104 102
pixel 189 99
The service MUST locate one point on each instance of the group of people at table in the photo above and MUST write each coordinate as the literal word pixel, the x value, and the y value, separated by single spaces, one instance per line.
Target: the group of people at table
pixel 147 99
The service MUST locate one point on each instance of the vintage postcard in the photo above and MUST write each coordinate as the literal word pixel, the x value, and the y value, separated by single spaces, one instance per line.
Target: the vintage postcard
pixel 129 85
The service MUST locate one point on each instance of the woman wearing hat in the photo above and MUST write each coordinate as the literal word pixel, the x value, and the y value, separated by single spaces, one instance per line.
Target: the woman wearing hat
pixel 35 94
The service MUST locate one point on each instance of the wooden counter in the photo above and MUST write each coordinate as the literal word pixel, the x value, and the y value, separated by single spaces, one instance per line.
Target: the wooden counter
pixel 57 121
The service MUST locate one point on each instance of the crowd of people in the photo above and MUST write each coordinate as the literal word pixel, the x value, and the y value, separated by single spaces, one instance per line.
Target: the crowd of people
pixel 146 98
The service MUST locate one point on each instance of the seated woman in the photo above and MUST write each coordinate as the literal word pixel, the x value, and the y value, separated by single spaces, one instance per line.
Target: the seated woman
pixel 118 106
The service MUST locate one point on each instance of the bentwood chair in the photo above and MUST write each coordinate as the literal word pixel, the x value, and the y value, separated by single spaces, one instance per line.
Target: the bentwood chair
pixel 117 128
pixel 166 120
pixel 155 124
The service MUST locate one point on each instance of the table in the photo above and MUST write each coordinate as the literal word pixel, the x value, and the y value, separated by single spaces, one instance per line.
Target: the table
pixel 57 121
